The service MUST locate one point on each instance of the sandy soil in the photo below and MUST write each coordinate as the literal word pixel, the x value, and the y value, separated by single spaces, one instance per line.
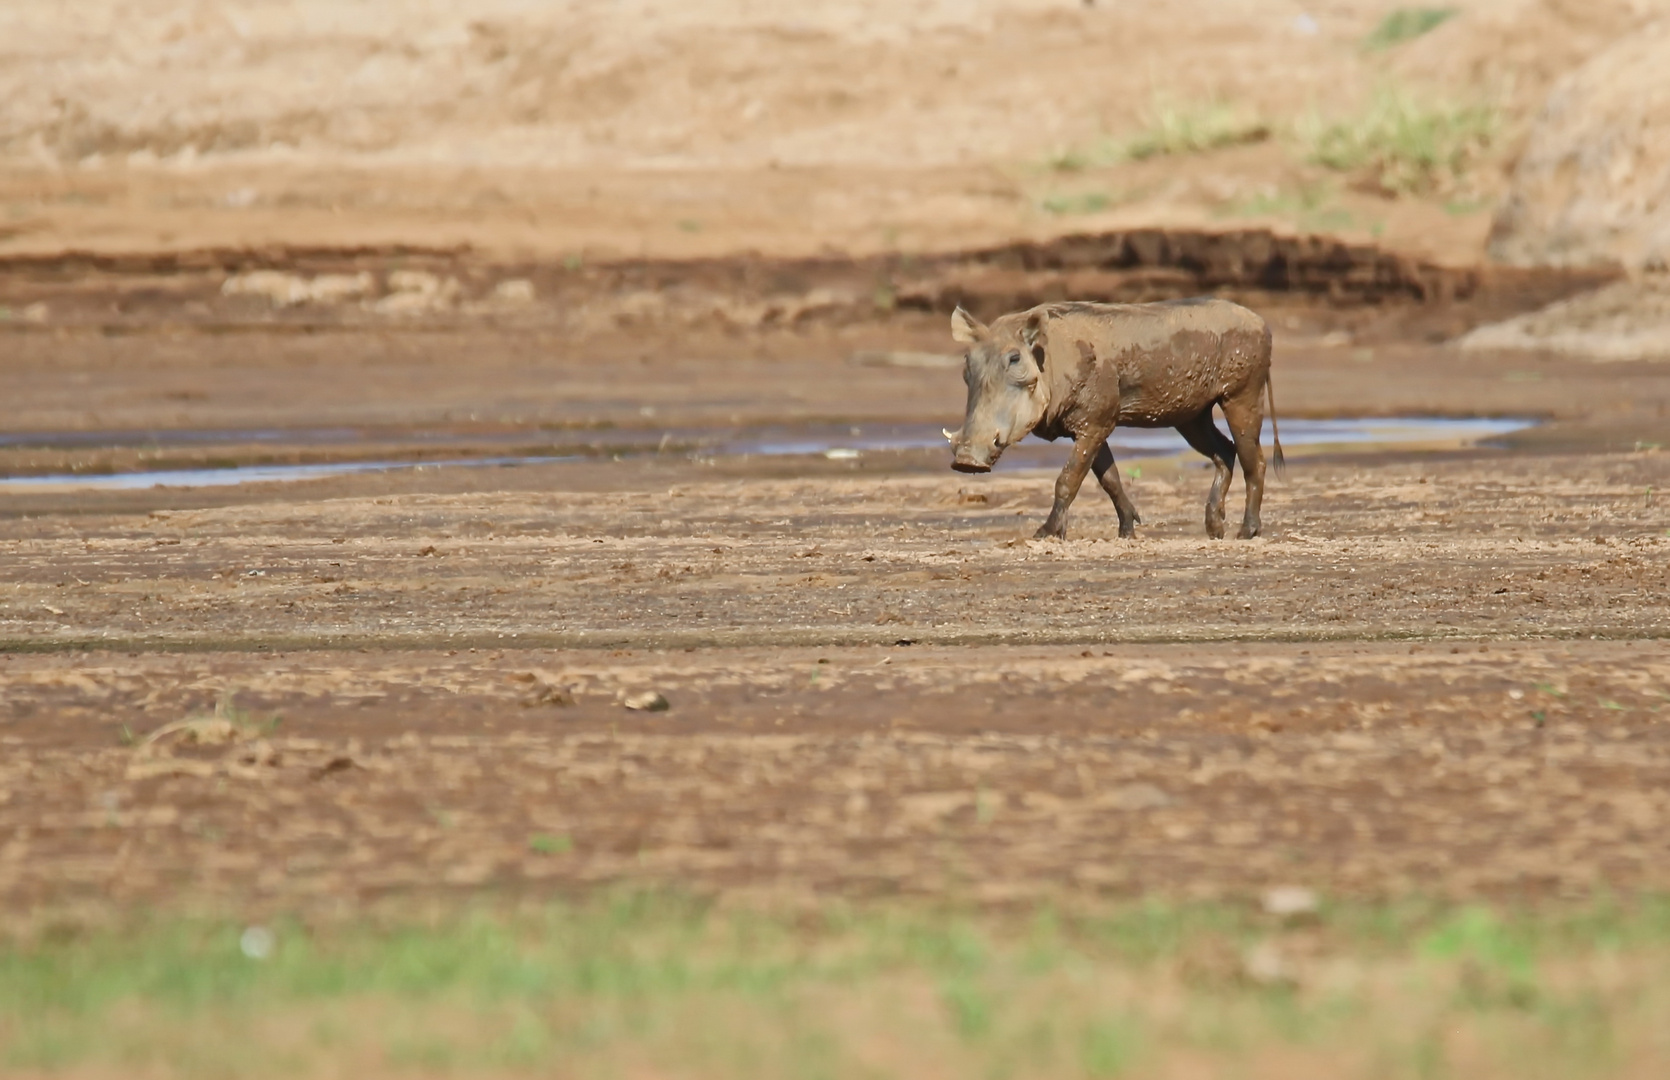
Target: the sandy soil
pixel 712 126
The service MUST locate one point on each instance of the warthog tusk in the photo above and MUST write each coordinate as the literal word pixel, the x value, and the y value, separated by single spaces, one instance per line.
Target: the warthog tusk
pixel 949 436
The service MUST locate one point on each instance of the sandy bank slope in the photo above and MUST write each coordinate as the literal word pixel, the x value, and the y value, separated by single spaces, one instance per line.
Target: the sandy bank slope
pixel 701 127
pixel 1593 185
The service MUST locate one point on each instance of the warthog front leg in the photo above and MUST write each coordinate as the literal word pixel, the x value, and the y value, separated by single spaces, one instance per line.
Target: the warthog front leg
pixel 1107 474
pixel 1067 484
pixel 1205 437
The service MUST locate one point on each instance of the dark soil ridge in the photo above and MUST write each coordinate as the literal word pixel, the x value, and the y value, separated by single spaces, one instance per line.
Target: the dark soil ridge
pixel 1255 265
pixel 1154 264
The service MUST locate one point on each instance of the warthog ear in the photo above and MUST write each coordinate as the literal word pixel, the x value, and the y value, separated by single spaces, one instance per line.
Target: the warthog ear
pixel 965 328
pixel 1033 334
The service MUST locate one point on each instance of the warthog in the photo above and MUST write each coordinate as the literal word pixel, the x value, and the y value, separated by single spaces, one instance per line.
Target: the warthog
pixel 1080 369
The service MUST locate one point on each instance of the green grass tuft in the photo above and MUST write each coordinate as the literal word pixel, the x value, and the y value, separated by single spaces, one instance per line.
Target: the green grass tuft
pixel 1401 145
pixel 1192 128
pixel 1089 202
pixel 1406 24
pixel 1171 127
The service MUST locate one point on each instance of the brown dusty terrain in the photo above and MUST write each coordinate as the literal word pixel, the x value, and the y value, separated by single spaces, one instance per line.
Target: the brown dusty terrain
pixel 1513 771
pixel 315 233
pixel 709 615
pixel 876 686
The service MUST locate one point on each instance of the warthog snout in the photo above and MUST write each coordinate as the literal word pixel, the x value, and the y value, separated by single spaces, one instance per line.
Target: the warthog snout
pixel 967 459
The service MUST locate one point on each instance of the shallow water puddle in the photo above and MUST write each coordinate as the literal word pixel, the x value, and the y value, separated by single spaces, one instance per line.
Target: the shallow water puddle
pixel 836 442
pixel 250 474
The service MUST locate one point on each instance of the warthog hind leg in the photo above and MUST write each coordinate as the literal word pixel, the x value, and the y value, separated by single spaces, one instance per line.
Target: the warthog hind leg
pixel 1245 413
pixel 1107 474
pixel 1205 437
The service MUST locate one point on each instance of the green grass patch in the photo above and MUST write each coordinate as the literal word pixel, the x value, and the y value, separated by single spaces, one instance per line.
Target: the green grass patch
pixel 656 985
pixel 1088 202
pixel 1401 145
pixel 1406 24
pixel 1192 128
pixel 1170 127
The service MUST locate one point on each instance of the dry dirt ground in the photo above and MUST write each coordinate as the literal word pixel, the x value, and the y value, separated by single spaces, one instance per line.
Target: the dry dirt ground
pixel 1442 670
pixel 1513 771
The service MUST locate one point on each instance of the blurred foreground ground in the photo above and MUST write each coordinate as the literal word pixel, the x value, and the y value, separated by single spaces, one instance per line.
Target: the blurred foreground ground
pixel 658 987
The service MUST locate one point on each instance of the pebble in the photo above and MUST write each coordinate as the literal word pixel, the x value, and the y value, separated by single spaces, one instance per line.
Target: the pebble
pixel 1290 900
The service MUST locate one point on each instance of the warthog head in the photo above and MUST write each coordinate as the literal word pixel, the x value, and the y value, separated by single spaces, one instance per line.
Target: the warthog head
pixel 1006 394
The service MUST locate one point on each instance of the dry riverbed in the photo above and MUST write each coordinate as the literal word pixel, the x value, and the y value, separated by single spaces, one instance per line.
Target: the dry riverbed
pixel 876 686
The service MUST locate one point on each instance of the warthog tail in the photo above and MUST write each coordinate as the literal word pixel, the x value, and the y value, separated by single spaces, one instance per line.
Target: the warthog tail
pixel 1275 432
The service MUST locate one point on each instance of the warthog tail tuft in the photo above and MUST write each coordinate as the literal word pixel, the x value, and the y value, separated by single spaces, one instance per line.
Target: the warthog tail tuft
pixel 1275 432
